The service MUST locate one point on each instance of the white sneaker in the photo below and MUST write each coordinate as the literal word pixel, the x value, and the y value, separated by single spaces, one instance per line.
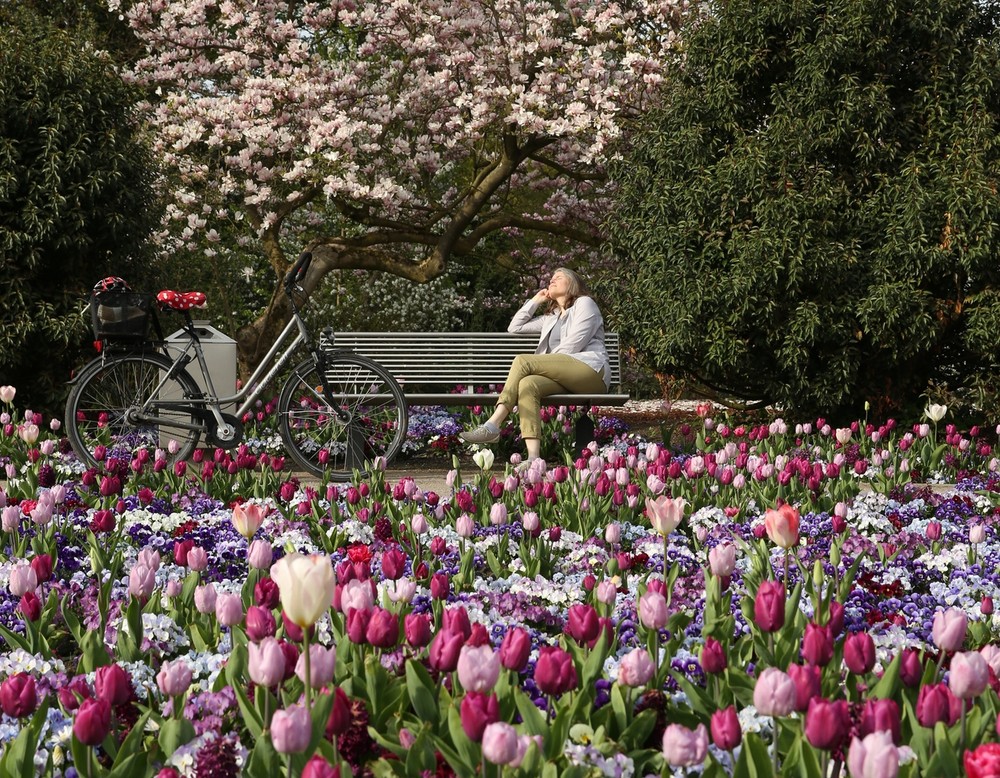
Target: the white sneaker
pixel 485 433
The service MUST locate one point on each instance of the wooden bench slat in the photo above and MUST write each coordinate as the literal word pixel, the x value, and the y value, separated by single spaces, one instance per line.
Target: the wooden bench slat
pixel 421 360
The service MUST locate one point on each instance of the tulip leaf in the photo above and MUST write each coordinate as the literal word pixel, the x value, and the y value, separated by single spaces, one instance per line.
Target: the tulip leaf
pixel 618 706
pixel 889 683
pixel 422 693
pixel 465 748
pixel 174 733
pixel 93 653
pixel 131 752
pixel 532 717
pixel 251 717
pixel 82 754
pixel 700 702
pixel 594 664
pixel 72 622
pixel 754 761
pixel 635 736
pixel 800 761
pixel 14 640
pixel 19 756
pixel 420 757
pixel 264 761
pixel 945 760
pixel 850 577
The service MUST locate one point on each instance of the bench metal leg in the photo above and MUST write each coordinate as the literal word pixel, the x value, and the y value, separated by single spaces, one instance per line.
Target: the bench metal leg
pixel 584 432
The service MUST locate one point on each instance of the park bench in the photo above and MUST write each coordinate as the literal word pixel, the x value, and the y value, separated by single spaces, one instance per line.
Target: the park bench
pixel 430 365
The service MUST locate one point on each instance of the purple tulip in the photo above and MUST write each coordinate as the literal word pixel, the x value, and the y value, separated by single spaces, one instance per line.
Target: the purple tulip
pixel 383 629
pixel 817 644
pixel 935 703
pixel 417 628
pixel 93 722
pixel 18 695
pixel 807 684
pixel 444 649
pixel 582 623
pixel 713 656
pixel 113 684
pixel 880 716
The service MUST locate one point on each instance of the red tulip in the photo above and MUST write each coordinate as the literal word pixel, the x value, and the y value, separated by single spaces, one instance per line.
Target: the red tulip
pixel 555 672
pixel 18 696
pixel 93 722
pixel 725 729
pixel 477 711
pixel 827 723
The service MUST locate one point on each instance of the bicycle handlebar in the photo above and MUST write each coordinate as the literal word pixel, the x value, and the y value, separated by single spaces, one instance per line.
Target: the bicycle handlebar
pixel 299 269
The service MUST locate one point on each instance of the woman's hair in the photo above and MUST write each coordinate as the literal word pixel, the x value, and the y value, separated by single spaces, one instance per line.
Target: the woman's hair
pixel 577 287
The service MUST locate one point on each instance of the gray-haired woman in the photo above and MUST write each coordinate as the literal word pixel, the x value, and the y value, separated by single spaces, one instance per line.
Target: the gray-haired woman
pixel 570 358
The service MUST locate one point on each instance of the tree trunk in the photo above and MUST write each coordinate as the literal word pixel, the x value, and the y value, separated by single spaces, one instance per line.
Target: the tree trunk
pixel 254 340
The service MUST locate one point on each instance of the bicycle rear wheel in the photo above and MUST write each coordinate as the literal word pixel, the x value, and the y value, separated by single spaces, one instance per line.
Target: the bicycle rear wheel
pixel 98 411
pixel 322 441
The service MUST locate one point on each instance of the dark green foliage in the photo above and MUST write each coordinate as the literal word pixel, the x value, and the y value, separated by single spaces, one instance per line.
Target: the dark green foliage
pixel 810 218
pixel 75 197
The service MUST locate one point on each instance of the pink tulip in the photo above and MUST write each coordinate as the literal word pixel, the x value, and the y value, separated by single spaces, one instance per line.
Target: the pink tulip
pixel 260 554
pixel 204 598
pixel 722 560
pixel 684 748
pixel 141 582
pixel 725 729
pixel 500 743
pixel 774 693
pixel 174 678
pixel 948 629
pixel 322 662
pixel 229 609
pixel 197 558
pixel 266 663
pixel 876 756
pixel 653 610
pixel 665 514
pixel 969 675
pixel 23 579
pixel 636 668
pixel 247 519
pixel 478 668
pixel 782 526
pixel 291 729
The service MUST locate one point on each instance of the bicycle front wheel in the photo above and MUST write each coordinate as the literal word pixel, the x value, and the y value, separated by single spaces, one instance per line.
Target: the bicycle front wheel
pixel 103 404
pixel 364 418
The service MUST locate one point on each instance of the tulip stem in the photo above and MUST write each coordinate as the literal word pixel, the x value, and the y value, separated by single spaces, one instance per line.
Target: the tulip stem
pixel 306 660
pixel 786 568
pixel 665 580
pixel 961 743
pixel 775 720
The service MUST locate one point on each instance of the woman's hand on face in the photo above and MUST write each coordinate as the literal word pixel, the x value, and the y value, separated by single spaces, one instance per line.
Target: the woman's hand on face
pixel 541 296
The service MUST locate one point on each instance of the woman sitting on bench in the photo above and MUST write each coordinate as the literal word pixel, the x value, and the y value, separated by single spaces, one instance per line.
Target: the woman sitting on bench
pixel 570 358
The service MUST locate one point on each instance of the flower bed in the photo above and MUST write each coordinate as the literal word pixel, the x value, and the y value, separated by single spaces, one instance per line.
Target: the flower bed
pixel 769 600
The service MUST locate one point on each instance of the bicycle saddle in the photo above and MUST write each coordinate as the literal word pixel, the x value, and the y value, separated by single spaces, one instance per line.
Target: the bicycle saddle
pixel 181 301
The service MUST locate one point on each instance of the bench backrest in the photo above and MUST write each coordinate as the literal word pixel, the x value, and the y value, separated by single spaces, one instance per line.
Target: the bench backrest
pixel 449 358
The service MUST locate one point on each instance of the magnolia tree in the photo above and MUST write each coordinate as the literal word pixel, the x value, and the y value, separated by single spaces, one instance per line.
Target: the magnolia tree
pixel 390 135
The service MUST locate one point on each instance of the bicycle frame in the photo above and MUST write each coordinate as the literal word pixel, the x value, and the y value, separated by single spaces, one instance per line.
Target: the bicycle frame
pixel 273 362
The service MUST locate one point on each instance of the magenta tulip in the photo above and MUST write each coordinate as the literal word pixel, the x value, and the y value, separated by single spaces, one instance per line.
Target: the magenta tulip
pixel 827 723
pixel 769 606
pixel 18 695
pixel 93 722
pixel 859 653
pixel 725 729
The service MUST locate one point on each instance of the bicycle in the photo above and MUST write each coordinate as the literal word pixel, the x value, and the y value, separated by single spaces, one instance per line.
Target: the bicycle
pixel 337 410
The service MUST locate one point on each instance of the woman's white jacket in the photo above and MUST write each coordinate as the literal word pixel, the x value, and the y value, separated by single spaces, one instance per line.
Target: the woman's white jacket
pixel 582 333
